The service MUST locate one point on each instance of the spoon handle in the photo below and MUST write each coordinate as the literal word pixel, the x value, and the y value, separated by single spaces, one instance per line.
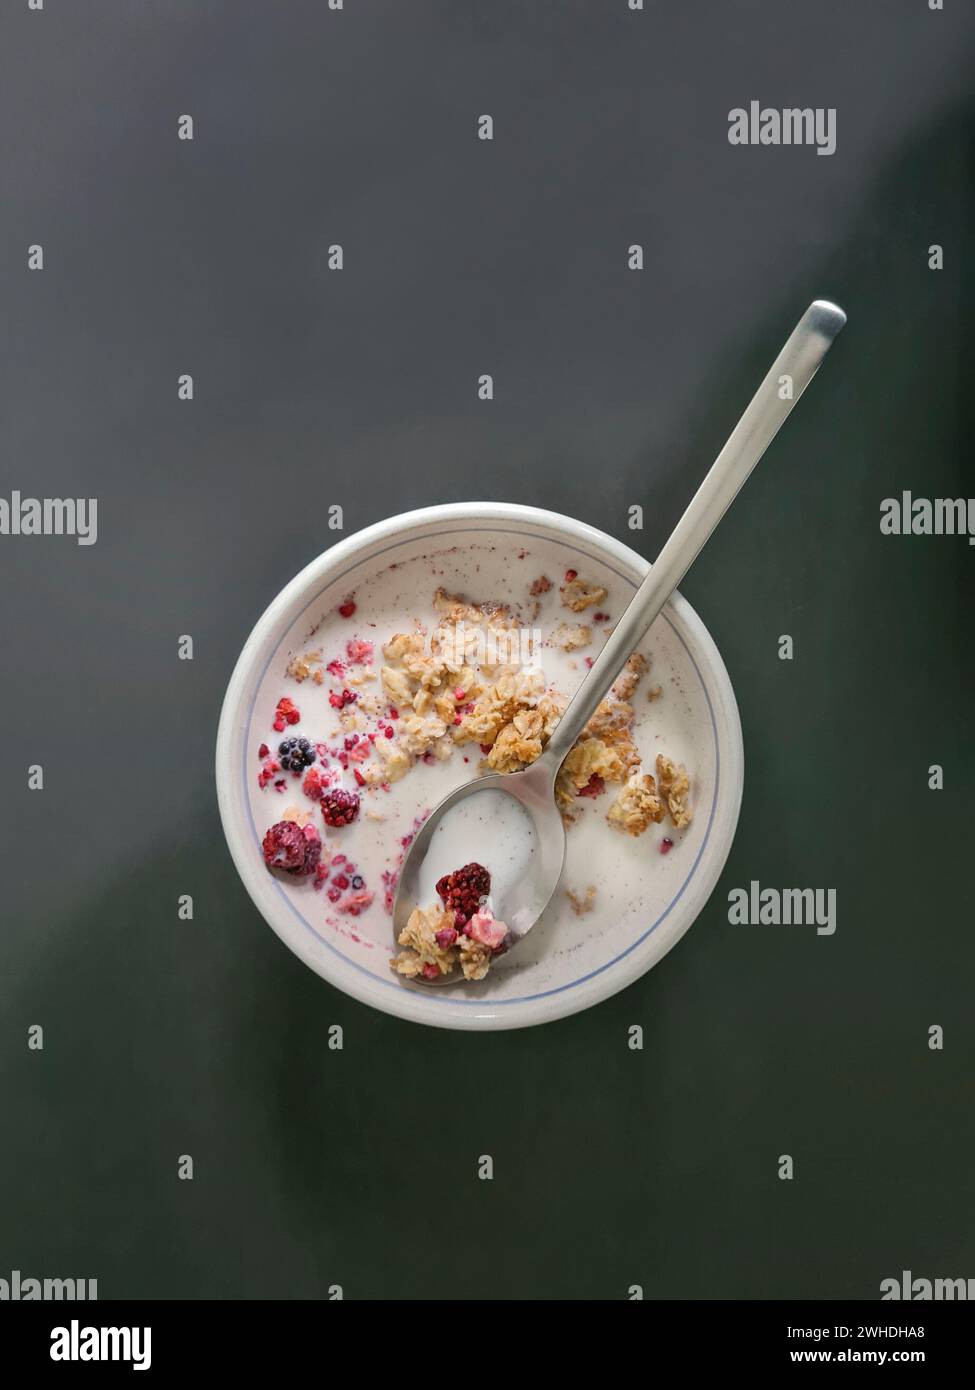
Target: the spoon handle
pixel 805 349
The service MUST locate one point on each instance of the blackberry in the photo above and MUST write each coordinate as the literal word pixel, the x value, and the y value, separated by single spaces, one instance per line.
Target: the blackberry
pixel 339 807
pixel 463 891
pixel 296 754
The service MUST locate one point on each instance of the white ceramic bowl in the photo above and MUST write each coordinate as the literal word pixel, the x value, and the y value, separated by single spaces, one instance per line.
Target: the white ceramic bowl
pixel 553 979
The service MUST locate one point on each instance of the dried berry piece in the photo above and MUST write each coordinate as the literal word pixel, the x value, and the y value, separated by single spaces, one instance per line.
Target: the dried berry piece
pixel 594 787
pixel 285 712
pixel 295 849
pixel 339 807
pixel 462 891
pixel 359 651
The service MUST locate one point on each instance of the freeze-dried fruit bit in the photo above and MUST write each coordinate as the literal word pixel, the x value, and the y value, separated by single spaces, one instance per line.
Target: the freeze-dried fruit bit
pixel 354 903
pixel 293 848
pixel 268 769
pixel 358 651
pixel 339 807
pixel 666 845
pixel 347 608
pixel 462 890
pixel 487 930
pixel 339 701
pixel 314 782
pixel 674 786
pixel 578 594
pixel 594 787
pixel 285 712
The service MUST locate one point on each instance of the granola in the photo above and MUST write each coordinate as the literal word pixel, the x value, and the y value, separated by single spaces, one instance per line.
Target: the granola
pixel 581 903
pixel 637 805
pixel 674 787
pixel 578 594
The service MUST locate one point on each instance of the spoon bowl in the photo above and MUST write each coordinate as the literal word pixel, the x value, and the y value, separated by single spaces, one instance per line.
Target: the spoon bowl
pixel 521 903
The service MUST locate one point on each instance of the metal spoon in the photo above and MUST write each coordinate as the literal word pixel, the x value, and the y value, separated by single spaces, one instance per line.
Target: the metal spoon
pixel 533 789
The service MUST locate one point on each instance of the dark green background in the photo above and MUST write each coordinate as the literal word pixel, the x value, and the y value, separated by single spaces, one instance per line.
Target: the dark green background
pixel 162 1037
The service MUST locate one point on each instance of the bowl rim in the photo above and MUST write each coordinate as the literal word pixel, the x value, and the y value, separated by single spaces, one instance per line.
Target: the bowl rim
pixel 410 1003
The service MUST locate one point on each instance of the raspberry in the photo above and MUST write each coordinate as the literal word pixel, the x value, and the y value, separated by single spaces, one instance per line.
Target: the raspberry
pixel 570 575
pixel 487 930
pixel 430 972
pixel 347 608
pixel 462 891
pixel 285 712
pixel 594 787
pixel 354 903
pixel 348 697
pixel 358 651
pixel 339 807
pixel 263 751
pixel 341 882
pixel 314 783
pixel 293 848
pixel 666 846
pixel 268 769
pixel 445 937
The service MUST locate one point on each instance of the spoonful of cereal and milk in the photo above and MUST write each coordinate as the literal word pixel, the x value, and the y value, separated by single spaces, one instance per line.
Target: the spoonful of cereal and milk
pixel 488 858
